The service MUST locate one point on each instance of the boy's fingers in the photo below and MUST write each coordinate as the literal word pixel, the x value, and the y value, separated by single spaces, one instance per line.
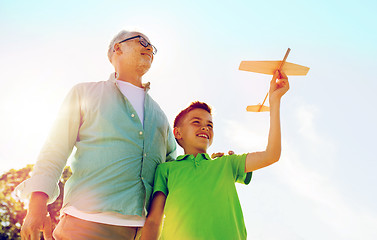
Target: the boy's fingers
pixel 275 76
pixel 284 82
pixel 282 75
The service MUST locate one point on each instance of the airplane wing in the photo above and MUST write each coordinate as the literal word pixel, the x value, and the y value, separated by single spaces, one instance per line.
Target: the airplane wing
pixel 269 67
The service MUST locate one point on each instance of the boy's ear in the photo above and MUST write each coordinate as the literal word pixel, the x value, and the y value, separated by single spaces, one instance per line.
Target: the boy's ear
pixel 177 133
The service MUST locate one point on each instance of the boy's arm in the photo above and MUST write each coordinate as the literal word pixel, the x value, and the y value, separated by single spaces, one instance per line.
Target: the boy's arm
pixel 257 160
pixel 152 226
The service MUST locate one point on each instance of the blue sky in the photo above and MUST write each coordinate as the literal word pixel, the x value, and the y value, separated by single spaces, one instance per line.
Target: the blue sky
pixel 324 186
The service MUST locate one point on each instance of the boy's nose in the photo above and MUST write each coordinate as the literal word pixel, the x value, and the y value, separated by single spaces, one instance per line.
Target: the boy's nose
pixel 205 128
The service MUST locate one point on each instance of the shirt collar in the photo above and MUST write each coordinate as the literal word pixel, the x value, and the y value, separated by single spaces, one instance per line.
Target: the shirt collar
pixel 200 156
pixel 113 79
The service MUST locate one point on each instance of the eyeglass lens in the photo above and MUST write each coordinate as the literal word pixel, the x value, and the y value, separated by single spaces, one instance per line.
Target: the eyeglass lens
pixel 145 43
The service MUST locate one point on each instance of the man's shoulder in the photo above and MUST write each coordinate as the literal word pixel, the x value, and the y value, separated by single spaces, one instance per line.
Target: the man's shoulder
pixel 93 84
pixel 89 84
pixel 91 87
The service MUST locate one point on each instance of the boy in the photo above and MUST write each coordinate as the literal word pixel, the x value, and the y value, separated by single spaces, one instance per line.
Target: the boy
pixel 197 194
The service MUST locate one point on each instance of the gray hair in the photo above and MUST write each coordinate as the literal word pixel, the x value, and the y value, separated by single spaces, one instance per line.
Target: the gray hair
pixel 117 38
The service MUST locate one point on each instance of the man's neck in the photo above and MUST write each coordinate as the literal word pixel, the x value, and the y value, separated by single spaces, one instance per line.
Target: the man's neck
pixel 134 79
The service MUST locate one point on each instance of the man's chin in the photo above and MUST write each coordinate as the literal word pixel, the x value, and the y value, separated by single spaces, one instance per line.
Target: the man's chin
pixel 143 68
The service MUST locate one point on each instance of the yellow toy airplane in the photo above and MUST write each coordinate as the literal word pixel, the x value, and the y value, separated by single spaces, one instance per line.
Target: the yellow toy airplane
pixel 270 68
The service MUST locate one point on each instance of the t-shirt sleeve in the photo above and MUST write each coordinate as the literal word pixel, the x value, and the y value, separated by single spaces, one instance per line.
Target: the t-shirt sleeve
pixel 161 180
pixel 238 167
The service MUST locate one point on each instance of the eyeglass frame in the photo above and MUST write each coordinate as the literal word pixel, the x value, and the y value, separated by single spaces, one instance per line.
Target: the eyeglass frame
pixel 154 49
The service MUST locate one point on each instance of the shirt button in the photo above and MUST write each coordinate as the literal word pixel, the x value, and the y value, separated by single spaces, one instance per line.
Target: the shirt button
pixel 142 178
pixel 140 133
pixel 132 115
pixel 145 154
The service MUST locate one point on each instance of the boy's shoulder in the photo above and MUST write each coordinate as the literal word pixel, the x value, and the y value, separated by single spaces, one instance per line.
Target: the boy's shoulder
pixel 180 160
pixel 230 157
pixel 183 159
pixel 168 164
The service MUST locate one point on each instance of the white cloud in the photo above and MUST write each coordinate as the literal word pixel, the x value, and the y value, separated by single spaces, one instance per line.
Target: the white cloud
pixel 331 207
pixel 247 137
pixel 306 116
pixel 316 185
pixel 303 175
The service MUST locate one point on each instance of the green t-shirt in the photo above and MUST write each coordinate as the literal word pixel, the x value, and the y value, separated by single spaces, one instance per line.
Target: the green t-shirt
pixel 202 201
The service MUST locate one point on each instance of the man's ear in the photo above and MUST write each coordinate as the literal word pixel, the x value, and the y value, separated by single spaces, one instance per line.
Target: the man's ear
pixel 177 133
pixel 117 48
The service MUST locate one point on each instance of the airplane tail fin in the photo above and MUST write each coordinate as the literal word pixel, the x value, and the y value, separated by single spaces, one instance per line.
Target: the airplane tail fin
pixel 258 108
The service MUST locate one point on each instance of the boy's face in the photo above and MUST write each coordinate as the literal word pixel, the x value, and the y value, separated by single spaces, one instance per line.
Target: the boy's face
pixel 195 133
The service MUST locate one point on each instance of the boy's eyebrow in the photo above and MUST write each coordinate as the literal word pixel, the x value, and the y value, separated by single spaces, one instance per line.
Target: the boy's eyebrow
pixel 200 119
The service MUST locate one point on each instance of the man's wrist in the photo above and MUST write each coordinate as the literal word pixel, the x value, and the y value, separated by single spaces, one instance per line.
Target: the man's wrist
pixel 38 202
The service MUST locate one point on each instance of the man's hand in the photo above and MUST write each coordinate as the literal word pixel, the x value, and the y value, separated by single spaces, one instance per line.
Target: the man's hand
pixel 278 87
pixel 36 219
pixel 33 225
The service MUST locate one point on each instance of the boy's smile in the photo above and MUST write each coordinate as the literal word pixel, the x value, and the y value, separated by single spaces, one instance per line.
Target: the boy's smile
pixel 195 133
pixel 203 135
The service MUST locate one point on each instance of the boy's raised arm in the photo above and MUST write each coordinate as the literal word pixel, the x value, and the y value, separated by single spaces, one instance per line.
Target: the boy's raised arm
pixel 257 160
pixel 152 226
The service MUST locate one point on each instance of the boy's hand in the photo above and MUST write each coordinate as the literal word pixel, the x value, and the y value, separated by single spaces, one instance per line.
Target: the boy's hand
pixel 278 87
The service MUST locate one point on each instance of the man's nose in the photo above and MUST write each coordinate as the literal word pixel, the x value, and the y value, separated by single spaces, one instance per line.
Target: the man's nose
pixel 149 47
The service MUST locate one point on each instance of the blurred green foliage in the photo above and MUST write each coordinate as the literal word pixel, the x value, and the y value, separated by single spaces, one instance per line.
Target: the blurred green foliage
pixel 13 211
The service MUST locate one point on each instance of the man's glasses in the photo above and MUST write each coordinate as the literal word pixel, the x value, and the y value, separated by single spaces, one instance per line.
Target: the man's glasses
pixel 143 43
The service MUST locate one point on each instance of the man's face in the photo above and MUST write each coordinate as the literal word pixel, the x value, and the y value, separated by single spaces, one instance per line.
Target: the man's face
pixel 132 52
pixel 195 133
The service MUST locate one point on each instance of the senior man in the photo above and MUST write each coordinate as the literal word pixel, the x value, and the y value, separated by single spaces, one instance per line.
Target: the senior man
pixel 120 134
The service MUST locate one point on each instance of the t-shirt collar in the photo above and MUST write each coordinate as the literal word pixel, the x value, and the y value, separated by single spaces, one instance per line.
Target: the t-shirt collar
pixel 113 79
pixel 200 156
